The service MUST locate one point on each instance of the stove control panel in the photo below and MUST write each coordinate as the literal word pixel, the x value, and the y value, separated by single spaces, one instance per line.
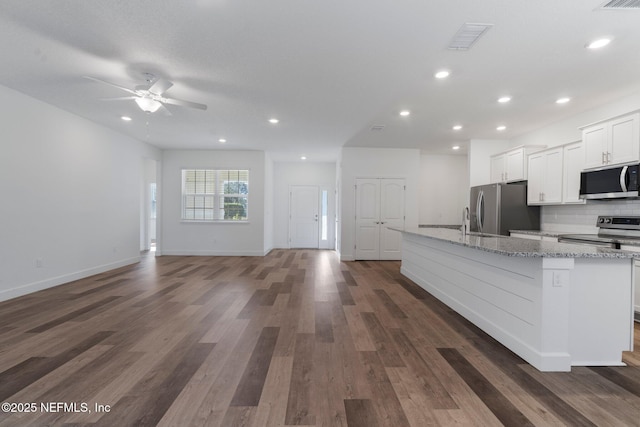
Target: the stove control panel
pixel 619 222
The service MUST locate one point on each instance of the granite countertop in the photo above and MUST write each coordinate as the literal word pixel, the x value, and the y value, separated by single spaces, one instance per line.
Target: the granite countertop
pixel 512 246
pixel 539 232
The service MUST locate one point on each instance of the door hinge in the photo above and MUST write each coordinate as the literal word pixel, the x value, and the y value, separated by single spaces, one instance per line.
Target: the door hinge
pixel 404 187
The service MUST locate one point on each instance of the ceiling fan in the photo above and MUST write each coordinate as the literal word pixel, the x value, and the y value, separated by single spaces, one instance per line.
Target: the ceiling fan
pixel 150 97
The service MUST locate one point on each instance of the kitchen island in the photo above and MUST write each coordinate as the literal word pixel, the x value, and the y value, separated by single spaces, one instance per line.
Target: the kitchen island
pixel 556 305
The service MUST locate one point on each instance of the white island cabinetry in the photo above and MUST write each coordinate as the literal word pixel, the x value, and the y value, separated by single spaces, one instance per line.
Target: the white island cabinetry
pixel 556 305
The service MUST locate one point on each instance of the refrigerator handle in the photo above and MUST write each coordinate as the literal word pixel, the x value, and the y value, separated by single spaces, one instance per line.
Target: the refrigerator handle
pixel 479 211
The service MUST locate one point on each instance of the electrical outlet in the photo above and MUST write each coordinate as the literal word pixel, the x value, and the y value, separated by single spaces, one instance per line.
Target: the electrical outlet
pixel 557 279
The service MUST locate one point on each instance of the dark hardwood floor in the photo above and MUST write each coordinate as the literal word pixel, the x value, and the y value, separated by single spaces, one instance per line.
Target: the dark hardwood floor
pixel 294 338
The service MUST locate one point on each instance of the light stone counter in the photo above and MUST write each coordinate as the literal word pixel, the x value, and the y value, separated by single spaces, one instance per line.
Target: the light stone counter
pixel 512 246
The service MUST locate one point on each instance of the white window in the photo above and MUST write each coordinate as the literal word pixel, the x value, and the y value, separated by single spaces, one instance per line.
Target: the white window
pixel 215 195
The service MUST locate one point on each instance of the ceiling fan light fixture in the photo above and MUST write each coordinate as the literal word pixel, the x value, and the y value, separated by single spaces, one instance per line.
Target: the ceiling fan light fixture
pixel 148 105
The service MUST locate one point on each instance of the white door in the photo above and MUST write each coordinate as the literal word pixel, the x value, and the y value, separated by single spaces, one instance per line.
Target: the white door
pixel 303 217
pixel 379 204
pixel 367 219
pixel 391 215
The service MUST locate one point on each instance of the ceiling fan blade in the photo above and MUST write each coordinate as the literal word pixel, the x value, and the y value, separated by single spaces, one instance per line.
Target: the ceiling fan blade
pixel 164 110
pixel 160 86
pixel 119 98
pixel 111 84
pixel 182 103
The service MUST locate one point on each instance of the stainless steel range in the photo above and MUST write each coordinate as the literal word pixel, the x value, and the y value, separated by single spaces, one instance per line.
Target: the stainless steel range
pixel 613 231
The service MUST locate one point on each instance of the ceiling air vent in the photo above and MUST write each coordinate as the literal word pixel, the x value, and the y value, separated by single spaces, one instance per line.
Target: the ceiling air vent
pixel 467 35
pixel 621 4
pixel 377 128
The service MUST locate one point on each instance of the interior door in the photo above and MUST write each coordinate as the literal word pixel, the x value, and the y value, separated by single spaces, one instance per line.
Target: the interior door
pixel 367 219
pixel 379 204
pixel 391 215
pixel 303 217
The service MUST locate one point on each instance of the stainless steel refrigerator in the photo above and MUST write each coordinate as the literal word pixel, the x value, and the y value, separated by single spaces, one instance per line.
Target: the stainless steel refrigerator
pixel 498 208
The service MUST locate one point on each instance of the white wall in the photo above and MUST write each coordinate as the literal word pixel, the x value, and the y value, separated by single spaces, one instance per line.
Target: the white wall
pixel 568 130
pixel 287 174
pixel 373 163
pixel 70 196
pixel 479 157
pixel 444 189
pixel 212 238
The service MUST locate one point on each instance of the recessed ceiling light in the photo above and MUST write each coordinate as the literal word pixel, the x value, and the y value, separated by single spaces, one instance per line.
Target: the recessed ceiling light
pixel 303 158
pixel 442 74
pixel 405 113
pixel 501 128
pixel 597 44
pixel 222 140
pixel 455 147
pixel 273 121
pixel 562 100
pixel 126 118
pixel 504 99
pixel 457 127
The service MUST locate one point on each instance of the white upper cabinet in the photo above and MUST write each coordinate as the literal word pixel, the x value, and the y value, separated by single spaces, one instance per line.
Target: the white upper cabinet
pixel 612 142
pixel 573 163
pixel 545 177
pixel 511 165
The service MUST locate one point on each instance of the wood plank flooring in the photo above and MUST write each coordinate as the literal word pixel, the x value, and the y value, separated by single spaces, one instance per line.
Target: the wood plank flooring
pixel 293 338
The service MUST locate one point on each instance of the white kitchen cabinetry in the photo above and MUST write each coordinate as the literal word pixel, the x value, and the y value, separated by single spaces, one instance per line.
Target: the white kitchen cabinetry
pixel 511 165
pixel 612 142
pixel 573 163
pixel 545 177
pixel 636 302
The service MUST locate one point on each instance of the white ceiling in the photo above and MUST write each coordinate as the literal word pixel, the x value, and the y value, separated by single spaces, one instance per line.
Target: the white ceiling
pixel 329 70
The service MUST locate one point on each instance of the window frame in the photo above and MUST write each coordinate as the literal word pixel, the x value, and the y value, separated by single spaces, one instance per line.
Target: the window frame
pixel 213 201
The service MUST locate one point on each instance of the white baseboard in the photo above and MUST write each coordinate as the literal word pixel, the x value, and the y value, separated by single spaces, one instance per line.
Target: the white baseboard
pixel 212 253
pixel 8 294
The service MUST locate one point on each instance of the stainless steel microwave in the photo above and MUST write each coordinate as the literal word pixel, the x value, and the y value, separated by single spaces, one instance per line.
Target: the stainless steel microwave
pixel 616 182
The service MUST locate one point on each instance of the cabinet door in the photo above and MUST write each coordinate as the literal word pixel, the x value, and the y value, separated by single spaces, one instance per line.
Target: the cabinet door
pixel 594 139
pixel 552 189
pixel 497 168
pixel 624 140
pixel 536 179
pixel 573 162
pixel 514 169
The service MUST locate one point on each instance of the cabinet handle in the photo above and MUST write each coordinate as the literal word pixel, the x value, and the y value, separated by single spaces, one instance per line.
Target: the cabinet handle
pixel 603 160
pixel 506 176
pixel 608 157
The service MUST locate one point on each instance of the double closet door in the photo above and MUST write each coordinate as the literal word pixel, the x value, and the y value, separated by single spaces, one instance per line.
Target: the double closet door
pixel 379 204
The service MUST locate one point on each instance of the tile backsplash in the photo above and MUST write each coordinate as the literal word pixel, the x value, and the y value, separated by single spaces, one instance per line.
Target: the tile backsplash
pixel 582 218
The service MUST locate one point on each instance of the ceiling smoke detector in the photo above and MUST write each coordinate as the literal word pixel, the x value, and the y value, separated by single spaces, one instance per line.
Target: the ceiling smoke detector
pixel 621 4
pixel 468 35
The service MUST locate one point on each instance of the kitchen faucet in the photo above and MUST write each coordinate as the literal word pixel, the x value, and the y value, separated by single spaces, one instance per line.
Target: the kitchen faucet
pixel 465 221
